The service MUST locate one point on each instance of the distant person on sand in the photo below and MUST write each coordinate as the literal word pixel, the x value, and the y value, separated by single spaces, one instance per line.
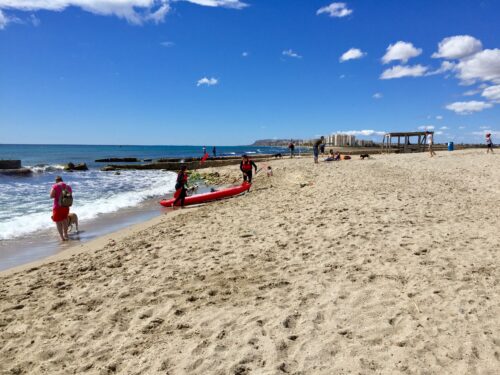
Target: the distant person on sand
pixel 63 199
pixel 430 142
pixel 214 152
pixel 489 143
pixel 316 149
pixel 181 186
pixel 246 166
pixel 291 146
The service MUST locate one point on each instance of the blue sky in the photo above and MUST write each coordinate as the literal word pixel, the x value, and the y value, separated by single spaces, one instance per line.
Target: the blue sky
pixel 229 72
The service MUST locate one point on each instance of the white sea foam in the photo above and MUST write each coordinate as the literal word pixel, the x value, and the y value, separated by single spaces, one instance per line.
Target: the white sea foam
pixel 26 208
pixel 40 168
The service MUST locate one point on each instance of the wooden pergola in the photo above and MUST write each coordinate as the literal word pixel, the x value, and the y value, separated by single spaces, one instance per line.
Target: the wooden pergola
pixel 406 141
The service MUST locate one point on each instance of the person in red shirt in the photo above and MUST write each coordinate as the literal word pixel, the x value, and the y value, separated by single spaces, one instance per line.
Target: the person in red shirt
pixel 60 212
pixel 246 166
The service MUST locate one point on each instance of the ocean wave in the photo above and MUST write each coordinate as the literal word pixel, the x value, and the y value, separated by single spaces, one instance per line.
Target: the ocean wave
pixel 41 168
pixel 102 193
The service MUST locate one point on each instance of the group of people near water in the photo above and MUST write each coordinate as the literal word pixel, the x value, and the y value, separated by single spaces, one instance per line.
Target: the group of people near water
pixel 62 193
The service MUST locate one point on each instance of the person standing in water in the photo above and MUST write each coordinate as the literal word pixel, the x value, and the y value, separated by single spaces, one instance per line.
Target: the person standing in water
pixel 489 143
pixel 204 150
pixel 181 186
pixel 430 142
pixel 316 148
pixel 246 166
pixel 63 199
pixel 214 152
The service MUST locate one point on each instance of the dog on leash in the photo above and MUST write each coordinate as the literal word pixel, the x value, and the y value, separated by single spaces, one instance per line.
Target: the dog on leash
pixel 363 156
pixel 279 155
pixel 72 220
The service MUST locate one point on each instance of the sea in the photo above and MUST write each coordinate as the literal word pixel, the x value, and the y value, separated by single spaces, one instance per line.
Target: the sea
pixel 103 201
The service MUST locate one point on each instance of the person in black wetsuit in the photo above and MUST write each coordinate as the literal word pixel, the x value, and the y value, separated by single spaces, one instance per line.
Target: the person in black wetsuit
pixel 246 167
pixel 181 186
pixel 214 152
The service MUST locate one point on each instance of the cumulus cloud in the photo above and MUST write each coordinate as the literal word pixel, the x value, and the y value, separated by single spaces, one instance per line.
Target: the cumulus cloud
pixel 205 81
pixel 291 53
pixel 402 51
pixel 439 132
pixel 335 10
pixel 439 117
pixel 457 47
pixel 352 54
pixel 400 71
pixel 484 132
pixel 134 11
pixel 444 128
pixel 483 66
pixel 492 93
pixel 467 108
pixel 426 127
pixel 366 133
pixel 378 95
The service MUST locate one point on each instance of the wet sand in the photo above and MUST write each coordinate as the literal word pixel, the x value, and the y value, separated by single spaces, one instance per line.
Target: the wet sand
pixel 388 265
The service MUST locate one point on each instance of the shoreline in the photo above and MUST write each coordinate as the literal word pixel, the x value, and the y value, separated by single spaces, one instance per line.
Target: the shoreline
pixel 345 267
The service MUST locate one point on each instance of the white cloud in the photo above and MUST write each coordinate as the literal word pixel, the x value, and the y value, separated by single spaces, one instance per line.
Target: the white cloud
pixel 378 95
pixel 426 127
pixel 134 11
pixel 492 93
pixel 444 128
pixel 342 76
pixel 205 81
pixel 235 4
pixel 483 66
pixel 291 53
pixel 438 132
pixel 366 133
pixel 439 117
pixel 400 71
pixel 458 47
pixel 402 51
pixel 461 127
pixel 352 54
pixel 167 44
pixel 3 20
pixel 467 108
pixel 445 67
pixel 35 20
pixel 335 10
pixel 245 54
pixel 484 132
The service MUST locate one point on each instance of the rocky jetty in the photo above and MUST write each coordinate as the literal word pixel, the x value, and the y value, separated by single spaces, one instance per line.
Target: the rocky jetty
pixel 13 168
pixel 76 167
pixel 118 160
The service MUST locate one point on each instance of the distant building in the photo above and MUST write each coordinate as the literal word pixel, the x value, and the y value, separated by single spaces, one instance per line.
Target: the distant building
pixel 341 140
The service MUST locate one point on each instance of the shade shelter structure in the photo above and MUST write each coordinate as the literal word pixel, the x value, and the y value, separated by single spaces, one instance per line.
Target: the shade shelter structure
pixel 405 141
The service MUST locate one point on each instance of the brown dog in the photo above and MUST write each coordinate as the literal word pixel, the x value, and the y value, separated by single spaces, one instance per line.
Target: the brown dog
pixel 72 220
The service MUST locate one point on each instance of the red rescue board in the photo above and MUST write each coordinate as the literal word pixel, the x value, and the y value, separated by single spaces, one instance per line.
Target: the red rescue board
pixel 208 197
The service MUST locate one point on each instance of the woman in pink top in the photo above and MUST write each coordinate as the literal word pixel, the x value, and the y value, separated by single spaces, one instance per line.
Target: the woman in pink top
pixel 60 213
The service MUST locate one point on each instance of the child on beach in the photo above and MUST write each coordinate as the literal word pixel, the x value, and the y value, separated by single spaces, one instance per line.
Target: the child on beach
pixel 430 142
pixel 489 143
pixel 63 199
pixel 269 171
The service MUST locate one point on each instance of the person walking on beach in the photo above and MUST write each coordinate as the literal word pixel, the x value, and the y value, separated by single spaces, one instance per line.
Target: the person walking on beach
pixel 246 166
pixel 63 199
pixel 316 149
pixel 489 143
pixel 430 142
pixel 181 186
pixel 214 152
pixel 291 146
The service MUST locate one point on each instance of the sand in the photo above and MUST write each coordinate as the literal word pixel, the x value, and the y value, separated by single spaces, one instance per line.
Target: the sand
pixel 382 266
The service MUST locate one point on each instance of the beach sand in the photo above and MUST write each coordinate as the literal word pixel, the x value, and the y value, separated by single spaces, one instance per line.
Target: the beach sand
pixel 382 266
